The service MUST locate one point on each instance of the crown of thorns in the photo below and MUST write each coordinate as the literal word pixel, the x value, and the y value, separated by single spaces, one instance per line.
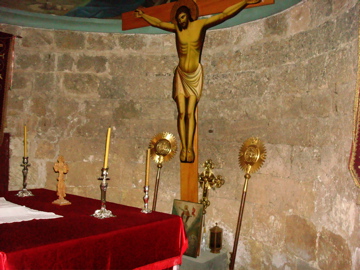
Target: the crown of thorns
pixel 190 4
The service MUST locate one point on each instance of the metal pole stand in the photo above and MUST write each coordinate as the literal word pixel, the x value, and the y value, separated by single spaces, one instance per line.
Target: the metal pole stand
pixel 159 166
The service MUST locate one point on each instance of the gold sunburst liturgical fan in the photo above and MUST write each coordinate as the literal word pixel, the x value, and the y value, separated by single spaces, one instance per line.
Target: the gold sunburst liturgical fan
pixel 162 148
pixel 251 157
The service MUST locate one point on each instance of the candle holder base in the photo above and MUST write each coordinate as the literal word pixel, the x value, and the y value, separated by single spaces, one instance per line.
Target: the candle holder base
pixel 146 209
pixel 61 202
pixel 103 213
pixel 24 193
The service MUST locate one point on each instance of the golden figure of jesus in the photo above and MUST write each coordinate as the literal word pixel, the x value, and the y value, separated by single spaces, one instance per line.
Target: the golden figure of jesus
pixel 188 78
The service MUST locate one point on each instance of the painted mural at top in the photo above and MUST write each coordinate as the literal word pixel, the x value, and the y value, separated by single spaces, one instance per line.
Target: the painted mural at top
pixel 81 8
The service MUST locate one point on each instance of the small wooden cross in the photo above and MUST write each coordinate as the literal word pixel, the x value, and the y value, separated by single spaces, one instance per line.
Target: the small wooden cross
pixel 62 168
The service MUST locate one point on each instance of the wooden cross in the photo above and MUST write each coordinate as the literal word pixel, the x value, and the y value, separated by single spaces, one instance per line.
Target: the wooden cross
pixel 189 175
pixel 206 7
pixel 188 171
pixel 62 168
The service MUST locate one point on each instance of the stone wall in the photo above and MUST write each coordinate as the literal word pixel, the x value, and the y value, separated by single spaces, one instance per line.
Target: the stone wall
pixel 289 79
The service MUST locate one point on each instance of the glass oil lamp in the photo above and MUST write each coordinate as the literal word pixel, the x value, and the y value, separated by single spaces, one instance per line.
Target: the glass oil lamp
pixel 215 239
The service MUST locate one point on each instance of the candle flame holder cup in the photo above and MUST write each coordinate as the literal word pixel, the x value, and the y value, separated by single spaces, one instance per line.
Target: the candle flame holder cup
pixel 24 192
pixel 103 212
pixel 146 209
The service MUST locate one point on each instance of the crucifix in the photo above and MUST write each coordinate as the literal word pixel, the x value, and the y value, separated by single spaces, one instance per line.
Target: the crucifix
pixel 190 34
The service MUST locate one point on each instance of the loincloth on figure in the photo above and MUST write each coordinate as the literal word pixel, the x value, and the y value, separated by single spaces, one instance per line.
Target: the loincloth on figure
pixel 188 84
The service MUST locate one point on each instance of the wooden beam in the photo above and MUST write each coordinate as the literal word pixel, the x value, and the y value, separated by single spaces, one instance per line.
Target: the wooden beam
pixel 206 7
pixel 189 176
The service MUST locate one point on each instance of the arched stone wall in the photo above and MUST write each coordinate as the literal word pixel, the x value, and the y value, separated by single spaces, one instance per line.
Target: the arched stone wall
pixel 289 79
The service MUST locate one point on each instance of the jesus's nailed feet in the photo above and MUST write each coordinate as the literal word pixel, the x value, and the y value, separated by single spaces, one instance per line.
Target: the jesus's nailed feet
pixel 187 156
pixel 183 155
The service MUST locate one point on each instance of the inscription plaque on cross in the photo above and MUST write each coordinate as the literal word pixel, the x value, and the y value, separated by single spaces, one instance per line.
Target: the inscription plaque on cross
pixel 181 18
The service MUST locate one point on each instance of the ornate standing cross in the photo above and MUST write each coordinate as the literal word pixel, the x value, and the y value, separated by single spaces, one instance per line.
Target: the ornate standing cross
pixel 208 180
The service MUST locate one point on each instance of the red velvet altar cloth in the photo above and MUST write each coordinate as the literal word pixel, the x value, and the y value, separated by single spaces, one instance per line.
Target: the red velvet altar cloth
pixel 131 240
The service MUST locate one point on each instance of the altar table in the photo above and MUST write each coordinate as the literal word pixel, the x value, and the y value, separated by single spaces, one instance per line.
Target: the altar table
pixel 131 240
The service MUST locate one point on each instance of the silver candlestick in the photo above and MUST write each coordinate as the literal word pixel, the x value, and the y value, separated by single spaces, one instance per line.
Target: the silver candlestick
pixel 103 212
pixel 24 192
pixel 146 209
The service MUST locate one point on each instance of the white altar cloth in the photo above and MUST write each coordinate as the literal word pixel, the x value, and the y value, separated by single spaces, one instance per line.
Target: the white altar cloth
pixel 11 212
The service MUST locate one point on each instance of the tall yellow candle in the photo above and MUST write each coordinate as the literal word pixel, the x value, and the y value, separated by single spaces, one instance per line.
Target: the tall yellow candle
pixel 25 141
pixel 107 146
pixel 147 167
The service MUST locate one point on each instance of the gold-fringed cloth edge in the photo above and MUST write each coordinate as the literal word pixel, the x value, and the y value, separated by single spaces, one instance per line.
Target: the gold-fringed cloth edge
pixel 354 161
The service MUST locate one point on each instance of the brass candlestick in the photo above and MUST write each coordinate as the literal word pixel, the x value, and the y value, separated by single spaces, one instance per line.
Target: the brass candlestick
pixel 24 192
pixel 162 148
pixel 103 212
pixel 251 157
